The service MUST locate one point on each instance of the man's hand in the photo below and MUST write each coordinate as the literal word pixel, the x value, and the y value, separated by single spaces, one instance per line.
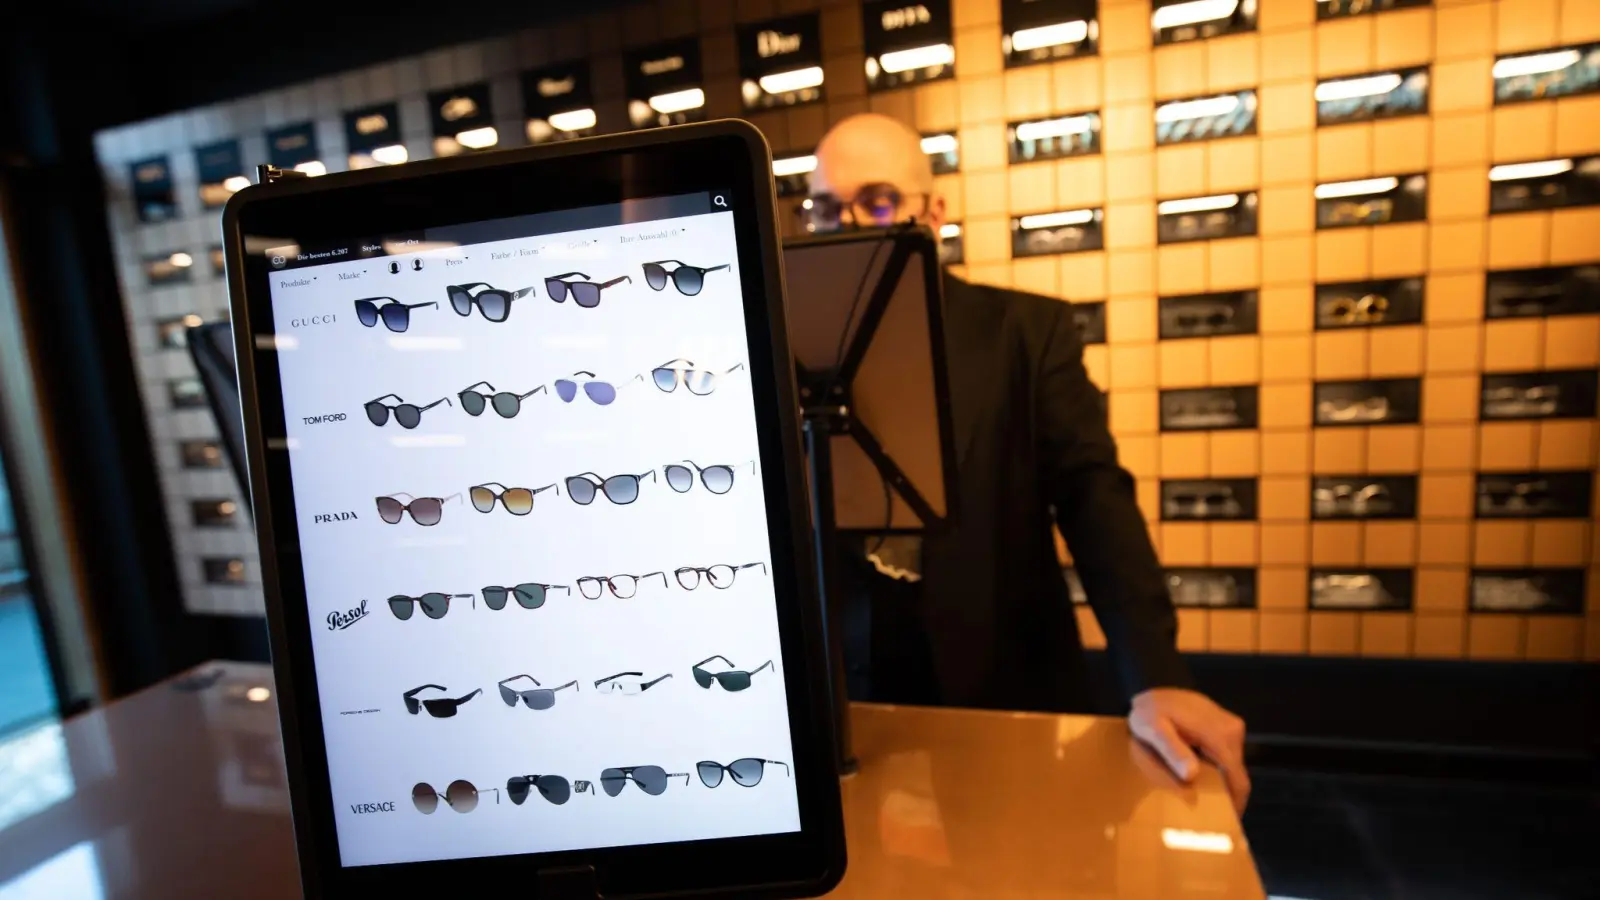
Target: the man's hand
pixel 1172 721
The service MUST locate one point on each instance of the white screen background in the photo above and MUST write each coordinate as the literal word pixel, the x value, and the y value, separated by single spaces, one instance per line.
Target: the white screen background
pixel 342 466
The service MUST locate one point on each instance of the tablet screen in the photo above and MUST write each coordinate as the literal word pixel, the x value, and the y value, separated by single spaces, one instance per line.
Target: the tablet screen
pixel 533 533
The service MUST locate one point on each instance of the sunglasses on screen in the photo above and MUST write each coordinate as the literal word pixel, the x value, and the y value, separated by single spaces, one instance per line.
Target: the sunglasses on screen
pixel 701 382
pixel 619 489
pixel 585 293
pixel 439 708
pixel 460 795
pixel 620 586
pixel 603 393
pixel 628 683
pixel 553 788
pixel 652 780
pixel 529 594
pixel 689 280
pixel 396 316
pixel 517 501
pixel 505 403
pixel 423 510
pixel 492 302
pixel 434 605
pixel 746 772
pixel 717 479
pixel 731 680
pixel 539 697
pixel 408 415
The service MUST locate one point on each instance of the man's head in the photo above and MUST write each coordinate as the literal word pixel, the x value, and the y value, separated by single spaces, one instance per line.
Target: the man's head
pixel 871 171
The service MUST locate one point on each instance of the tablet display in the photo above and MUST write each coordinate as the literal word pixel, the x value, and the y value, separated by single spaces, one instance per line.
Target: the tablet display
pixel 533 534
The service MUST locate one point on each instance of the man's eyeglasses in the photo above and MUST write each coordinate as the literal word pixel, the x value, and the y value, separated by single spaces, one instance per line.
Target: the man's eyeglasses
pixel 423 510
pixel 701 382
pixel 517 501
pixel 873 206
pixel 551 787
pixel 619 489
pixel 434 605
pixel 746 772
pixel 396 316
pixel 650 779
pixel 460 795
pixel 439 708
pixel 505 403
pixel 689 280
pixel 494 303
pixel 719 576
pixel 629 683
pixel 621 586
pixel 585 293
pixel 409 415
pixel 731 680
pixel 717 479
pixel 539 697
pixel 529 594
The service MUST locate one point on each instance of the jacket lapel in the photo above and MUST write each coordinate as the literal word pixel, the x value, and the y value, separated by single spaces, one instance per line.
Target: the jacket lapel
pixel 971 366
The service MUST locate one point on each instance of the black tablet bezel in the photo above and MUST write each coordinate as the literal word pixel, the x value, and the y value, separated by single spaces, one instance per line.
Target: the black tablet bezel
pixel 728 156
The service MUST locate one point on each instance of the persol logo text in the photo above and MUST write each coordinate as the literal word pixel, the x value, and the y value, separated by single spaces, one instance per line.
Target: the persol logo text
pixel 333 517
pixel 339 621
pixel 776 43
pixel 905 17
pixel 328 319
pixel 362 809
pixel 659 66
pixel 317 420
pixel 555 87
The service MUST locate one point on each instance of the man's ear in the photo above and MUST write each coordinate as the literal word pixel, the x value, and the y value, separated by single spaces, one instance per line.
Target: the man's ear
pixel 936 211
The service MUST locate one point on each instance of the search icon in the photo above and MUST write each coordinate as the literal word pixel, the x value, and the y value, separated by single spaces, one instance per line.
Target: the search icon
pixel 718 200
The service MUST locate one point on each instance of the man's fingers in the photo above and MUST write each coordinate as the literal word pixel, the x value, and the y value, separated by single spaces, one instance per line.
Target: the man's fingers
pixel 1158 732
pixel 1223 743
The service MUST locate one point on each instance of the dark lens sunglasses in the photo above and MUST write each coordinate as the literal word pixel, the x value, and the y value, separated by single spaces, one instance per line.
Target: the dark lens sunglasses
pixel 440 708
pixel 396 316
pixel 423 510
pixel 409 415
pixel 650 779
pixel 717 479
pixel 622 586
pixel 538 698
pixel 719 576
pixel 585 293
pixel 619 489
pixel 746 772
pixel 686 278
pixel 731 680
pixel 434 605
pixel 460 795
pixel 494 303
pixel 551 787
pixel 529 594
pixel 505 403
pixel 603 393
pixel 701 382
pixel 517 501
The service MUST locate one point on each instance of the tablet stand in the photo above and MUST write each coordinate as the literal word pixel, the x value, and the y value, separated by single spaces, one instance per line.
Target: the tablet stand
pixel 875 403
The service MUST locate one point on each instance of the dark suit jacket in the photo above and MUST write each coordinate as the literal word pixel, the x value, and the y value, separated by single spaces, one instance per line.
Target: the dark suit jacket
pixel 1032 447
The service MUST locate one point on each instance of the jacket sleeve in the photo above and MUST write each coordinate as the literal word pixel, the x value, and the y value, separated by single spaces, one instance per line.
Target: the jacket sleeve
pixel 1095 507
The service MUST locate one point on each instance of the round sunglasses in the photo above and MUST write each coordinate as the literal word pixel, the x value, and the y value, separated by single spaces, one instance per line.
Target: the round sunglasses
pixel 434 605
pixel 492 302
pixel 746 772
pixel 529 594
pixel 553 788
pixel 408 415
pixel 505 403
pixel 717 479
pixel 517 501
pixel 460 795
pixel 619 489
pixel 689 280
pixel 585 293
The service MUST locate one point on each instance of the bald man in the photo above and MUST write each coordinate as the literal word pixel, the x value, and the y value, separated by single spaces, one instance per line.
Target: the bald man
pixel 992 617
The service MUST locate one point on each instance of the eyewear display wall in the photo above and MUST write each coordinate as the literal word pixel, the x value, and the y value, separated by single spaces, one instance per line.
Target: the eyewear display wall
pixel 1451 297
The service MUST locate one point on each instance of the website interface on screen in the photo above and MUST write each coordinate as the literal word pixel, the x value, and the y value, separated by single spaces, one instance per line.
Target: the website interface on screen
pixel 533 532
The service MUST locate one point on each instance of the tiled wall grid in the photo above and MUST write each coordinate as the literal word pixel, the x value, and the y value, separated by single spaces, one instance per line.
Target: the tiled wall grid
pixel 1455 145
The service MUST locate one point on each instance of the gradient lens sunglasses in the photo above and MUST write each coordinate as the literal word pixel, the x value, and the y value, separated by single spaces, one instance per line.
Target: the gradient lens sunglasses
pixel 686 278
pixel 731 680
pixel 717 479
pixel 628 683
pixel 621 586
pixel 701 382
pixel 538 698
pixel 517 501
pixel 424 510
pixel 719 576
pixel 409 415
pixel 601 392
pixel 650 779
pixel 440 708
pixel 505 403
pixel 460 795
pixel 396 316
pixel 585 293
pixel 619 489
pixel 434 605
pixel 552 787
pixel 746 772
pixel 494 303
pixel 529 594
